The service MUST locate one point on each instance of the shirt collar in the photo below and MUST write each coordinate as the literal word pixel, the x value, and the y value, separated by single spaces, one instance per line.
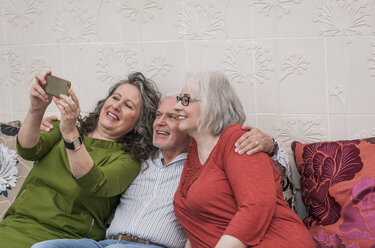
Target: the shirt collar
pixel 181 156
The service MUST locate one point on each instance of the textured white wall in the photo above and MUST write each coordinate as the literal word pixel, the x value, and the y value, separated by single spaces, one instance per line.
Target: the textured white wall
pixel 304 69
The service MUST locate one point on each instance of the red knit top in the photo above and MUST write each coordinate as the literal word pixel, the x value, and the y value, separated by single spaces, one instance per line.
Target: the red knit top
pixel 235 195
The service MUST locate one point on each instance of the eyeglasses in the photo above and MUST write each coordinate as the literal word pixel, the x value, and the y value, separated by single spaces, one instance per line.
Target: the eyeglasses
pixel 185 99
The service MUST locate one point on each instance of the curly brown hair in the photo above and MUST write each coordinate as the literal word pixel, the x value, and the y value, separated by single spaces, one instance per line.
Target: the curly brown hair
pixel 138 142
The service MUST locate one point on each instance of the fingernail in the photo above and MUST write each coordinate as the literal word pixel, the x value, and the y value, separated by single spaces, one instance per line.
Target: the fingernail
pixel 236 144
pixel 240 152
pixel 236 150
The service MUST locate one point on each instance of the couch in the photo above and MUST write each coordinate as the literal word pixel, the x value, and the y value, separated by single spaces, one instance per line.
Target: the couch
pixel 337 186
pixel 13 169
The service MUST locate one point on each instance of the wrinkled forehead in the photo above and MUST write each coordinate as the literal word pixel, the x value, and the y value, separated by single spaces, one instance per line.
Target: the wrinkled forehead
pixel 167 105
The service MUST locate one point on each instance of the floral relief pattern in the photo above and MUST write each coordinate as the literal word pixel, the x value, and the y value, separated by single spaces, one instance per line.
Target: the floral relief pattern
pixel 293 63
pixel 74 23
pixel 371 59
pixel 325 165
pixel 337 90
pixel 248 63
pixel 280 7
pixel 22 12
pixel 324 241
pixel 38 65
pixel 359 217
pixel 306 130
pixel 144 9
pixel 114 65
pixel 159 66
pixel 11 66
pixel 363 134
pixel 201 19
pixel 8 169
pixel 342 17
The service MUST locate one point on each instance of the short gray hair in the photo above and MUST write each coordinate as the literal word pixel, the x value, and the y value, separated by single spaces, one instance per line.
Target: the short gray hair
pixel 220 105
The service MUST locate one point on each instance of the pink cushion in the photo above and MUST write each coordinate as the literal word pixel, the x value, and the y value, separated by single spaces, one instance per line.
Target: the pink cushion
pixel 338 190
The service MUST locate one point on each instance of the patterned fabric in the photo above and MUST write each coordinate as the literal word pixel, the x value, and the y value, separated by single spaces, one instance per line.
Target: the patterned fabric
pixel 338 190
pixel 13 169
pixel 289 192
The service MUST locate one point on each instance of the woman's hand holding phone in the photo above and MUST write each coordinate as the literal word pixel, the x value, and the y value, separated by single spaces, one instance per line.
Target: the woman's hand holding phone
pixel 39 99
pixel 70 110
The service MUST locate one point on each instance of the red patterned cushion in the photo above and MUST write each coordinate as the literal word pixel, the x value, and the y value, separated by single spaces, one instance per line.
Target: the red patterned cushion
pixel 338 190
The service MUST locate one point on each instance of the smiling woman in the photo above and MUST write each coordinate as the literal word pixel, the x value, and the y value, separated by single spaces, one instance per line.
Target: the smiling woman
pixel 225 199
pixel 81 170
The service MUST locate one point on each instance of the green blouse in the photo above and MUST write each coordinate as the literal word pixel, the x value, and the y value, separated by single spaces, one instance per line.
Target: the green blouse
pixel 53 204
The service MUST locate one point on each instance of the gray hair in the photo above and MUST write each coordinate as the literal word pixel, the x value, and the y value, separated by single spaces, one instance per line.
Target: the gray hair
pixel 220 105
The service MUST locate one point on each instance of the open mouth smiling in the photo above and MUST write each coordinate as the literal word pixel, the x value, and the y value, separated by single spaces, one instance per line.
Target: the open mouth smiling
pixel 162 132
pixel 113 116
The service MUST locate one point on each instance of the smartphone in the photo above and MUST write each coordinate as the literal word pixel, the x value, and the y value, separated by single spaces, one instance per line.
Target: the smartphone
pixel 56 86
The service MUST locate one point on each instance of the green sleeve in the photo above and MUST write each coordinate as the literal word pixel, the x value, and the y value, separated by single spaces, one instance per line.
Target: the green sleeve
pixel 111 179
pixel 45 144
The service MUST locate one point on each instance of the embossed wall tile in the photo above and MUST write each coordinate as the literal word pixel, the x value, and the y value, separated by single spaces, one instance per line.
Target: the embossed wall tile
pixel 22 12
pixel 12 66
pixel 164 63
pixel 134 14
pixel 13 20
pixel 2 26
pixel 5 103
pixel 298 22
pixel 371 58
pixel 12 70
pixel 97 67
pixel 164 22
pixel 39 32
pixel 232 58
pixel 144 10
pixel 343 17
pixel 361 85
pixel 239 17
pixel 20 16
pixel 202 19
pixel 282 18
pixel 336 57
pixel 302 76
pixel 250 66
pixel 249 62
pixel 264 67
pixel 338 127
pixel 39 59
pixel 251 119
pixel 75 22
pixel 273 8
pixel 110 21
pixel 361 126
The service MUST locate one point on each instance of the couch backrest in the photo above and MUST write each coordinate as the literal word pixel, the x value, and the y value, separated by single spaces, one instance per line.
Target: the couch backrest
pixel 13 169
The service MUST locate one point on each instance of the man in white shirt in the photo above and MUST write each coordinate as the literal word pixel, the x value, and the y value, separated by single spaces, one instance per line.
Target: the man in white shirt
pixel 144 216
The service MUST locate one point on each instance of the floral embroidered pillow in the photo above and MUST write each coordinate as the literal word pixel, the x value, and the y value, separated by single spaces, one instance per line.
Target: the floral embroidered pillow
pixel 338 190
pixel 13 169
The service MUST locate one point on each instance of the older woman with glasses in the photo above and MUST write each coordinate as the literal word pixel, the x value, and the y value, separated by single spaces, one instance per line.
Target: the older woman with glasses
pixel 224 199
